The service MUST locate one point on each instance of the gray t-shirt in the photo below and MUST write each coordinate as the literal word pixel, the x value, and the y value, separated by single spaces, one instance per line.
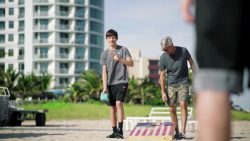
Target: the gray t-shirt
pixel 176 66
pixel 117 72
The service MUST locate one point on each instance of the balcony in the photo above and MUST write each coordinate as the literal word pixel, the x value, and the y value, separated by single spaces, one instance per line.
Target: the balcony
pixel 63 71
pixel 41 1
pixel 79 28
pixel 78 56
pixel 20 57
pixel 78 71
pixel 21 28
pixel 62 56
pixel 79 15
pixel 153 67
pixel 79 42
pixel 80 2
pixel 62 13
pixel 20 42
pixel 63 40
pixel 41 27
pixel 41 41
pixel 64 27
pixel 40 14
pixel 21 71
pixel 40 71
pixel 62 1
pixel 156 76
pixel 41 56
pixel 21 15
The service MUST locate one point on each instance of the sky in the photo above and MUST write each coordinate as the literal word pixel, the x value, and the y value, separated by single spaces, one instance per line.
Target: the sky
pixel 142 23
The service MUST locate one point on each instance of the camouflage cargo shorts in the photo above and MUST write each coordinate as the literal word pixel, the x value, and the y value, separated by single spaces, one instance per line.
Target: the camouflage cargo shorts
pixel 179 93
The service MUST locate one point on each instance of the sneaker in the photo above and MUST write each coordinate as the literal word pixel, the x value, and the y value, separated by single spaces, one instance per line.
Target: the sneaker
pixel 180 136
pixel 119 136
pixel 113 135
pixel 177 137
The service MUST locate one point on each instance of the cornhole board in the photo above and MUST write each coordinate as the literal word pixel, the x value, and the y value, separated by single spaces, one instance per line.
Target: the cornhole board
pixel 152 132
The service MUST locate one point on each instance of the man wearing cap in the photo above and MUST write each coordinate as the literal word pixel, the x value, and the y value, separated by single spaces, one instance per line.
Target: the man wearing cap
pixel 173 64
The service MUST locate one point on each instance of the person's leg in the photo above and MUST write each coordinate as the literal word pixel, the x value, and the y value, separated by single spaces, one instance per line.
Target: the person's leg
pixel 183 91
pixel 120 96
pixel 213 113
pixel 174 119
pixel 120 111
pixel 172 102
pixel 218 35
pixel 113 111
pixel 183 105
pixel 120 115
pixel 113 118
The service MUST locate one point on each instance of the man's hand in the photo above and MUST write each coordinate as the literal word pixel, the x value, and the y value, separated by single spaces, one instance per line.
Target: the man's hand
pixel 164 97
pixel 115 56
pixel 186 10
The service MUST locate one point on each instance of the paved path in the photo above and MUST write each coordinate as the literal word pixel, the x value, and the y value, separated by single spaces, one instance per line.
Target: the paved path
pixel 87 130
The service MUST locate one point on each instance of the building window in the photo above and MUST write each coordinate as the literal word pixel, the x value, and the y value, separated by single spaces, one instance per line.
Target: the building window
pixel 97 14
pixel 2 53
pixel 95 53
pixel 2 25
pixel 79 12
pixel 80 38
pixel 2 12
pixel 97 40
pixel 80 24
pixel 2 1
pixel 2 38
pixel 21 67
pixel 11 66
pixel 11 24
pixel 11 0
pixel 95 66
pixel 11 37
pixel 97 27
pixel 99 3
pixel 11 11
pixel 63 82
pixel 79 54
pixel 11 52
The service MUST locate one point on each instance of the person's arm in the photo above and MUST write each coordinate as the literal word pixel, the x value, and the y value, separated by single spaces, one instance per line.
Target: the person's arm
pixel 186 10
pixel 104 78
pixel 162 83
pixel 192 64
pixel 128 61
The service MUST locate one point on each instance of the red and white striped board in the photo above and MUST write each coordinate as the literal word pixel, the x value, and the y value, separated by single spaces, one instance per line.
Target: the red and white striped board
pixel 152 132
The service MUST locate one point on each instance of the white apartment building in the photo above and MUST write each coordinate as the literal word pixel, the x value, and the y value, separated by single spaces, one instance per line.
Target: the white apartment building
pixel 59 37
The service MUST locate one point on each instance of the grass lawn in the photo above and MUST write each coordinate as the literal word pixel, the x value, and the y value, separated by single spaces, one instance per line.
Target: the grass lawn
pixel 92 111
pixel 96 110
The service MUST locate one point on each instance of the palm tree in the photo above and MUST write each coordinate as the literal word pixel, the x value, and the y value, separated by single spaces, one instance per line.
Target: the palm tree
pixel 91 82
pixel 77 93
pixel 9 80
pixel 134 95
pixel 44 82
pixel 145 89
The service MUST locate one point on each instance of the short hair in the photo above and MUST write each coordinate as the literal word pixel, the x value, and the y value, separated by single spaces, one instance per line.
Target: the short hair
pixel 166 41
pixel 111 32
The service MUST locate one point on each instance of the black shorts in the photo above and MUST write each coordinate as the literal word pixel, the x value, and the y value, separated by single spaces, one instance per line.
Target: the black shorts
pixel 223 28
pixel 222 44
pixel 117 93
